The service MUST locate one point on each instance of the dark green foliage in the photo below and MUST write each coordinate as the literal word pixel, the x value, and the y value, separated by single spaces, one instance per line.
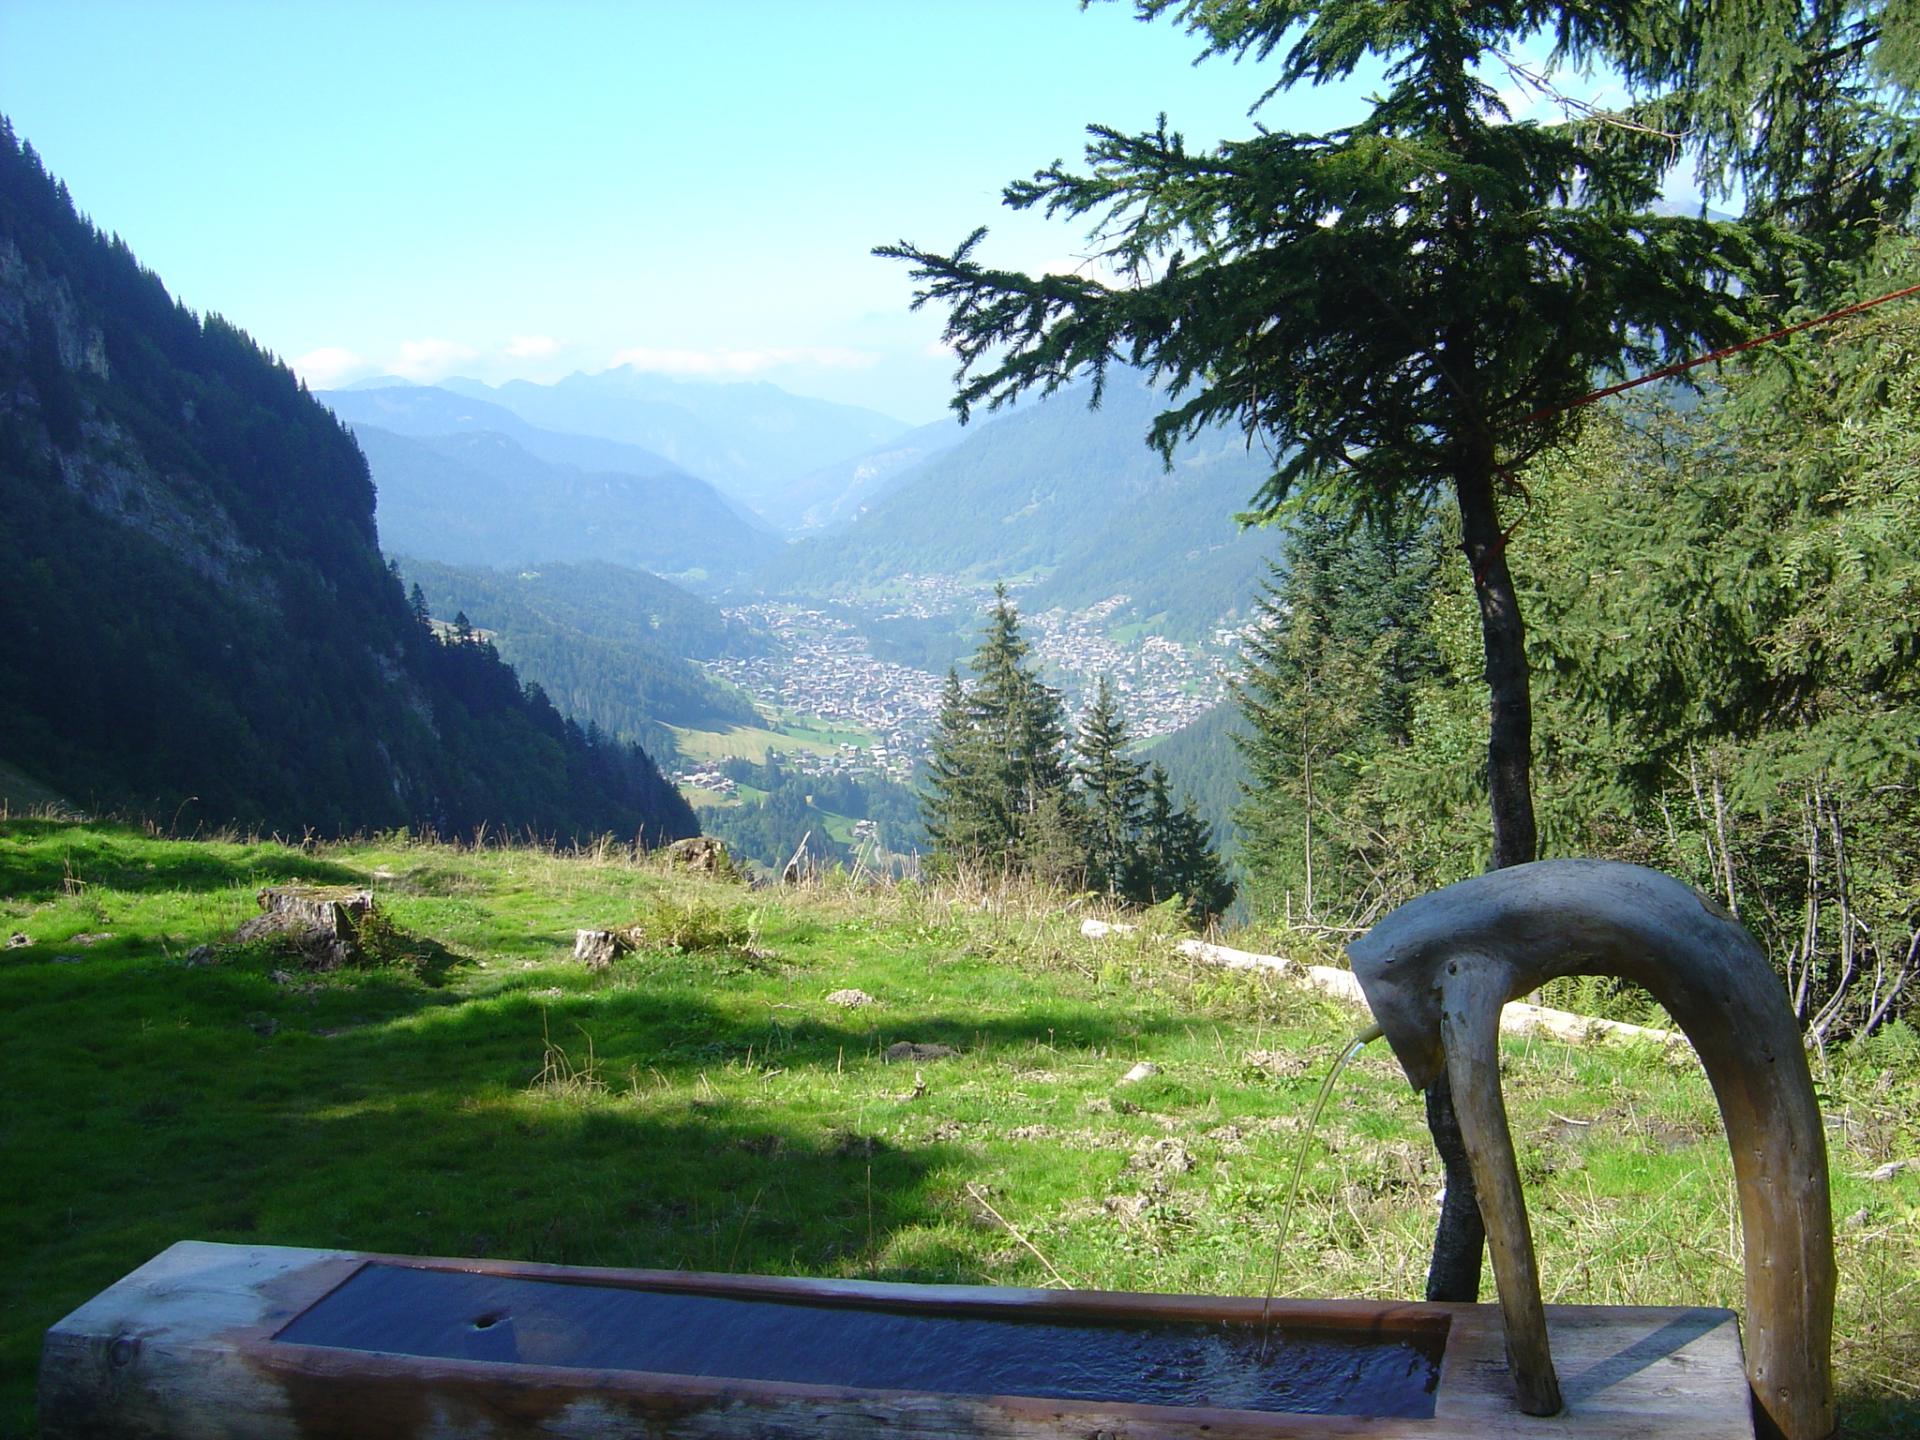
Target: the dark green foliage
pixel 1725 647
pixel 610 645
pixel 1328 685
pixel 1399 307
pixel 1202 760
pixel 1019 721
pixel 1740 699
pixel 198 620
pixel 1803 110
pixel 997 782
pixel 996 797
pixel 1175 858
pixel 1113 787
pixel 1003 795
pixel 957 806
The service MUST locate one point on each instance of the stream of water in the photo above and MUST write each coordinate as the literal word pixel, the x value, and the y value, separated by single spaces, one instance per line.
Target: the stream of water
pixel 1354 1047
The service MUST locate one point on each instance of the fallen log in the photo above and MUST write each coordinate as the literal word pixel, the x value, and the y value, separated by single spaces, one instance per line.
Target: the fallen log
pixel 1518 1018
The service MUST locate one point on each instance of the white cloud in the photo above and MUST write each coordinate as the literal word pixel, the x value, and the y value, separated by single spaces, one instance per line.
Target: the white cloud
pixel 532 347
pixel 327 366
pixel 939 350
pixel 743 362
pixel 429 359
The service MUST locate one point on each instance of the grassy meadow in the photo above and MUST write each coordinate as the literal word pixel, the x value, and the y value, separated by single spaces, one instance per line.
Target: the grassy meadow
pixel 711 1102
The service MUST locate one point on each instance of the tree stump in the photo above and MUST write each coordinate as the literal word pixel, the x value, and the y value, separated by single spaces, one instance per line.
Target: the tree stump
pixel 597 949
pixel 703 855
pixel 322 922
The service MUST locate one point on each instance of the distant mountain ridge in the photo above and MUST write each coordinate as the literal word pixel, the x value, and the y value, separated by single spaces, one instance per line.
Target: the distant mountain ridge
pixel 1070 499
pixel 751 439
pixel 429 412
pixel 479 498
pixel 839 493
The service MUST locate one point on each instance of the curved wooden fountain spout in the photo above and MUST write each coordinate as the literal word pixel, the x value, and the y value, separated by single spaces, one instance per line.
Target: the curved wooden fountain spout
pixel 1436 972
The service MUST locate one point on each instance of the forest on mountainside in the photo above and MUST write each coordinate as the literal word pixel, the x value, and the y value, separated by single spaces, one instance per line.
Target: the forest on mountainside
pixel 200 626
pixel 611 646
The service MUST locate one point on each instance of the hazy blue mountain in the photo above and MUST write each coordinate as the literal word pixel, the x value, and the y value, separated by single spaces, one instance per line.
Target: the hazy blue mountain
pixel 1072 498
pixel 479 498
pixel 429 410
pixel 611 646
pixel 837 494
pixel 753 440
pixel 373 382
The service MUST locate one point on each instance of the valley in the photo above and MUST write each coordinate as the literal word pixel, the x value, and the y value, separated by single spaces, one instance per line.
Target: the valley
pixel 776 605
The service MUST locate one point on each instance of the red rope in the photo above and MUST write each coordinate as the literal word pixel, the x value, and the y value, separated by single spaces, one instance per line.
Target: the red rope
pixel 1682 366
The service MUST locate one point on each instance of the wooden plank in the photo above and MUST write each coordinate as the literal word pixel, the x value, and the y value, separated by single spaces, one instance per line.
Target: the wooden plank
pixel 185 1346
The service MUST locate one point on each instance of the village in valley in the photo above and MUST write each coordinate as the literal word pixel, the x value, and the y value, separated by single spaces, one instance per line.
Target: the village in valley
pixel 823 666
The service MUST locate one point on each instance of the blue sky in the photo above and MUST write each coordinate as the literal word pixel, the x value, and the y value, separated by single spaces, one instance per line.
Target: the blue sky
pixel 525 190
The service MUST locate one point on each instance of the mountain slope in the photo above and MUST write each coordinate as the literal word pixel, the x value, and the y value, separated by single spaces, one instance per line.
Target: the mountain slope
pixel 1071 498
pixel 836 494
pixel 428 412
pixel 612 647
pixel 1203 762
pixel 478 498
pixel 752 440
pixel 198 616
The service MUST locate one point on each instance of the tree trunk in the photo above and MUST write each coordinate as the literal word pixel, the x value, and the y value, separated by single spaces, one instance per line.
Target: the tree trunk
pixel 1510 728
pixel 1454 1273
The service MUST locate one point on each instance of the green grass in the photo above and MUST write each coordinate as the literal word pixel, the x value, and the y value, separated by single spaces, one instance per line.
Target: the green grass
pixel 703 1105
pixel 1154 624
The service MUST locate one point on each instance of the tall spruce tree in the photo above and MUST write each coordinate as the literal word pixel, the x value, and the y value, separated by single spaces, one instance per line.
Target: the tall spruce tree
pixel 1114 787
pixel 997 784
pixel 1175 856
pixel 1401 307
pixel 961 822
pixel 1021 724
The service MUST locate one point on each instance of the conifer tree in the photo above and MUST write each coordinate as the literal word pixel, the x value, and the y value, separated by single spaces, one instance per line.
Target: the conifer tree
pixel 1399 306
pixel 1175 855
pixel 955 807
pixel 1114 788
pixel 1340 640
pixel 1021 722
pixel 417 605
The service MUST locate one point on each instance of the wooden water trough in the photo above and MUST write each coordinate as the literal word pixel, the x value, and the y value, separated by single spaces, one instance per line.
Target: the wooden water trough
pixel 244 1341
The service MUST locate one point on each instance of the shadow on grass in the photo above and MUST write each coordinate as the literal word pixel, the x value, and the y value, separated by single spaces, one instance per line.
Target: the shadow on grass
pixel 1869 1417
pixel 43 858
pixel 361 1110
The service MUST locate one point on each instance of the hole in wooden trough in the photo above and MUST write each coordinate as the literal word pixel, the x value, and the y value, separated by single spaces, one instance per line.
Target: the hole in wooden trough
pixel 871 1345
